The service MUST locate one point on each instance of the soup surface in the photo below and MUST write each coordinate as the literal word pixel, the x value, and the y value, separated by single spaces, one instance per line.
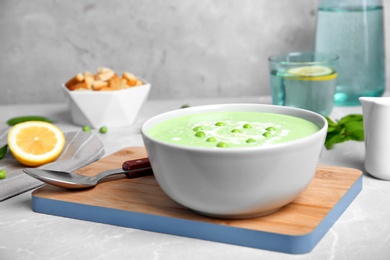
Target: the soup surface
pixel 232 129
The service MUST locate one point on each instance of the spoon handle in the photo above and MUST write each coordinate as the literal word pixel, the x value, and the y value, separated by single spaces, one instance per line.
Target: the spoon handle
pixel 137 168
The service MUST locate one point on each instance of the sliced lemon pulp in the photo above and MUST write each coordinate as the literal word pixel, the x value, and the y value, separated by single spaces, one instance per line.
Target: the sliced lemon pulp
pixel 311 73
pixel 35 143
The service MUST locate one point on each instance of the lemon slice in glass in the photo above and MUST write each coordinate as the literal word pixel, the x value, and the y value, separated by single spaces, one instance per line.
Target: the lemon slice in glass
pixel 312 73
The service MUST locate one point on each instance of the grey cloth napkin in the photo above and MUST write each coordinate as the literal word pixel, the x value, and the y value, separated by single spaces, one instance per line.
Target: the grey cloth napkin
pixel 80 149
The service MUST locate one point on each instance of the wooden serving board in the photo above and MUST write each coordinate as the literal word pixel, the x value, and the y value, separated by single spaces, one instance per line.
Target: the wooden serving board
pixel 140 203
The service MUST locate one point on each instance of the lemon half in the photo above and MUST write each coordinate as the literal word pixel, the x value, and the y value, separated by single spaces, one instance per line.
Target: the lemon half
pixel 312 73
pixel 35 143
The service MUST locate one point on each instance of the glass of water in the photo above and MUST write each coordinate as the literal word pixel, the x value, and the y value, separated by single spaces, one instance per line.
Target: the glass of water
pixel 305 80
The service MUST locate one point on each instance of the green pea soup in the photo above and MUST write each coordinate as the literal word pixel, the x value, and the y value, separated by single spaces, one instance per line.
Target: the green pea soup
pixel 232 129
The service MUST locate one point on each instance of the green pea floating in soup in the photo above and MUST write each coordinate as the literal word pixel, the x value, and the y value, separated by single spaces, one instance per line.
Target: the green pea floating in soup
pixel 251 140
pixel 211 139
pixel 222 145
pixel 200 134
pixel 198 128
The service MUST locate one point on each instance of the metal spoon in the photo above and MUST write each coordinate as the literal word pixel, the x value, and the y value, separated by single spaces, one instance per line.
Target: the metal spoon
pixel 132 169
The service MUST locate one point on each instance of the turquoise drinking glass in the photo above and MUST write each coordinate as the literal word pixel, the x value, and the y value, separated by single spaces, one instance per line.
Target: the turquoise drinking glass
pixel 304 80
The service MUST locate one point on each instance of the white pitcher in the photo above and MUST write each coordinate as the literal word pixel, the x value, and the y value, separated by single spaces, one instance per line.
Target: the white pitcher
pixel 376 116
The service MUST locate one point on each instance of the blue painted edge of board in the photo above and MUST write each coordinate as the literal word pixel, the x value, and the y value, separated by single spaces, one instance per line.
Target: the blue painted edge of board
pixel 197 229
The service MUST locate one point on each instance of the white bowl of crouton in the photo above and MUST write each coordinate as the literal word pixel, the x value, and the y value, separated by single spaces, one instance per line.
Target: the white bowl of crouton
pixel 105 98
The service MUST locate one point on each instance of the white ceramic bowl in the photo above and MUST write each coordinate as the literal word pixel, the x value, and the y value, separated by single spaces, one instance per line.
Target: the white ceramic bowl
pixel 106 108
pixel 235 182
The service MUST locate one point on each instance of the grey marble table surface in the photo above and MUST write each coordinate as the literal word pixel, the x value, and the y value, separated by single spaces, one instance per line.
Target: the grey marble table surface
pixel 362 231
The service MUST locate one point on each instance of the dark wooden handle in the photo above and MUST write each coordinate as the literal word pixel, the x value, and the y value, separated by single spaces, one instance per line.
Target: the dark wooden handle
pixel 137 168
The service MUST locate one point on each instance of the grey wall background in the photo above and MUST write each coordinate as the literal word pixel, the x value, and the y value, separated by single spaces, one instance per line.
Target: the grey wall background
pixel 192 48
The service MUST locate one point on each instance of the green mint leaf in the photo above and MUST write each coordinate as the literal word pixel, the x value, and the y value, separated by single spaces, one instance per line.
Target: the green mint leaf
pixel 333 139
pixel 355 131
pixel 332 126
pixel 333 129
pixel 350 118
pixel 331 123
pixel 348 128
